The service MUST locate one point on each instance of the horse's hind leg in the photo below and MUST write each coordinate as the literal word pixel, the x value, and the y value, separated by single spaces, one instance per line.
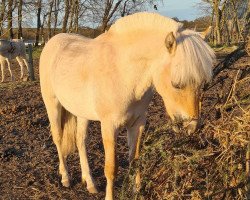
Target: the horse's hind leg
pixel 82 126
pixel 11 75
pixel 134 137
pixel 54 110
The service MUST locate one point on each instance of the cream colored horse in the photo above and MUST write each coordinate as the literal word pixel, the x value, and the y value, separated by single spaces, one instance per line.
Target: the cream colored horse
pixel 10 50
pixel 112 79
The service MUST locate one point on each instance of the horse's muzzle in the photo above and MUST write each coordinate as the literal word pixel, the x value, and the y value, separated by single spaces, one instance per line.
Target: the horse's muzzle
pixel 189 125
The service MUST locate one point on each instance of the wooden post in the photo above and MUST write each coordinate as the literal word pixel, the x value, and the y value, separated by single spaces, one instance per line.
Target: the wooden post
pixel 31 69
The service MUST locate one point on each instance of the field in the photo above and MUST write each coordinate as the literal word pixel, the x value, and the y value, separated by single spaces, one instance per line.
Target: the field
pixel 29 162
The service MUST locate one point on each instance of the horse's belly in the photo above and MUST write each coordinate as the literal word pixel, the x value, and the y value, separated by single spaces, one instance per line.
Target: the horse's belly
pixel 75 95
pixel 80 107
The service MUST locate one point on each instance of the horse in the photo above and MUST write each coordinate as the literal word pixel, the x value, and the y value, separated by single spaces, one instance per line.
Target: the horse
pixel 10 50
pixel 113 78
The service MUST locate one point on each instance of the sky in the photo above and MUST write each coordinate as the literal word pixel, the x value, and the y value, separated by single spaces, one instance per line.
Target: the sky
pixel 182 9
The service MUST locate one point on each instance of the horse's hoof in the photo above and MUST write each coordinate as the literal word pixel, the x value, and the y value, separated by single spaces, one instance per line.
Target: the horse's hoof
pixel 92 190
pixel 65 183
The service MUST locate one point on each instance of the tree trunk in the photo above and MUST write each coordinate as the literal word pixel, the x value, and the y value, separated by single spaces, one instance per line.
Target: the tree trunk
pixel 76 22
pixel 20 19
pixel 71 15
pixel 217 13
pixel 42 30
pixel 10 28
pixel 56 7
pixel 49 18
pixel 2 16
pixel 39 9
pixel 66 16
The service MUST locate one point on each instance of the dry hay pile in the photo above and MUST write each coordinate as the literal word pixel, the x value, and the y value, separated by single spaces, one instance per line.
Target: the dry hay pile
pixel 214 162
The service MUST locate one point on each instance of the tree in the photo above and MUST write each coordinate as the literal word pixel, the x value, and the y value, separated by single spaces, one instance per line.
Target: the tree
pixel 20 19
pixel 66 15
pixel 38 26
pixel 51 3
pixel 2 15
pixel 10 28
pixel 227 17
pixel 109 10
pixel 56 11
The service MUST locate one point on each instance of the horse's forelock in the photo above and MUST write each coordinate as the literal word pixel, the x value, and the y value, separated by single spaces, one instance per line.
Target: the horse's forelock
pixel 193 60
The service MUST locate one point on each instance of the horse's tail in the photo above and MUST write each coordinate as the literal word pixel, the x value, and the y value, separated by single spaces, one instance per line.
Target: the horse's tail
pixel 69 128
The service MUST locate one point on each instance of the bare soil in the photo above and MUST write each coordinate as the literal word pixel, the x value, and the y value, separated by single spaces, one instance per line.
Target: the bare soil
pixel 28 157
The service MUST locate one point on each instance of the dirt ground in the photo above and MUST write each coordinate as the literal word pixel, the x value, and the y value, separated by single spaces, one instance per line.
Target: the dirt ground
pixel 28 157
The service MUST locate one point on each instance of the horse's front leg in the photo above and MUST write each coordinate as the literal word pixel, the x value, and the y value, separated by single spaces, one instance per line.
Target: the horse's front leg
pixel 11 75
pixel 82 126
pixel 134 137
pixel 109 134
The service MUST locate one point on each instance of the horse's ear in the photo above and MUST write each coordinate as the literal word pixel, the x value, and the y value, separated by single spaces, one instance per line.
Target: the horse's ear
pixel 170 42
pixel 206 34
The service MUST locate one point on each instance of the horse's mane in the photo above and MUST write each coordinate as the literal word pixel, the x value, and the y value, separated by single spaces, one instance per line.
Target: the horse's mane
pixel 144 21
pixel 193 60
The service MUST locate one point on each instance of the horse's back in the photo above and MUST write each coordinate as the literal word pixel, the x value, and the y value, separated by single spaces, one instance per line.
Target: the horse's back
pixel 53 52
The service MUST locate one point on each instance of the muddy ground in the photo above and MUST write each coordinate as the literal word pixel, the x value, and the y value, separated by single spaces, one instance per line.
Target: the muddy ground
pixel 28 157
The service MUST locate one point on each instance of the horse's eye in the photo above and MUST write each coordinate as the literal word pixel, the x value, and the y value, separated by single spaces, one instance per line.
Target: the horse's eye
pixel 177 86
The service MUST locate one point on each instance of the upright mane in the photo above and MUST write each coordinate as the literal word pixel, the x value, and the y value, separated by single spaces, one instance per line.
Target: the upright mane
pixel 145 21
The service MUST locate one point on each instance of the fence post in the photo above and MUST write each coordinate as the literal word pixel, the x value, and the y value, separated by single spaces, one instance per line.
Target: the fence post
pixel 31 69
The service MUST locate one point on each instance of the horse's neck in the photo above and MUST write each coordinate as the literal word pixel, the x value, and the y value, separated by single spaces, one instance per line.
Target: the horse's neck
pixel 134 58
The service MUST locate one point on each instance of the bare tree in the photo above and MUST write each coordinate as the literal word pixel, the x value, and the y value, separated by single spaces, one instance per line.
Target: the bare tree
pixel 76 19
pixel 66 15
pixel 227 17
pixel 51 3
pixel 56 11
pixel 2 15
pixel 9 13
pixel 109 10
pixel 20 19
pixel 38 26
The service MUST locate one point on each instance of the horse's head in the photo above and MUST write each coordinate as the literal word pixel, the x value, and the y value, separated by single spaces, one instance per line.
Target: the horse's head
pixel 189 64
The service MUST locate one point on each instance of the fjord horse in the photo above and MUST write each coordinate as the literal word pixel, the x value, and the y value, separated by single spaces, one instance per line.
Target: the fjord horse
pixel 112 79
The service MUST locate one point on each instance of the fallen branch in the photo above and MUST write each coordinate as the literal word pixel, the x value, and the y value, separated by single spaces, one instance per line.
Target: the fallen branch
pixel 228 61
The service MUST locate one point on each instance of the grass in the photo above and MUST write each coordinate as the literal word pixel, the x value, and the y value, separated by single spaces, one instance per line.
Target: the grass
pixel 37 52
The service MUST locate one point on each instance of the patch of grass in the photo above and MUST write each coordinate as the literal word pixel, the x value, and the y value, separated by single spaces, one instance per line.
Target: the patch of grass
pixel 37 52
